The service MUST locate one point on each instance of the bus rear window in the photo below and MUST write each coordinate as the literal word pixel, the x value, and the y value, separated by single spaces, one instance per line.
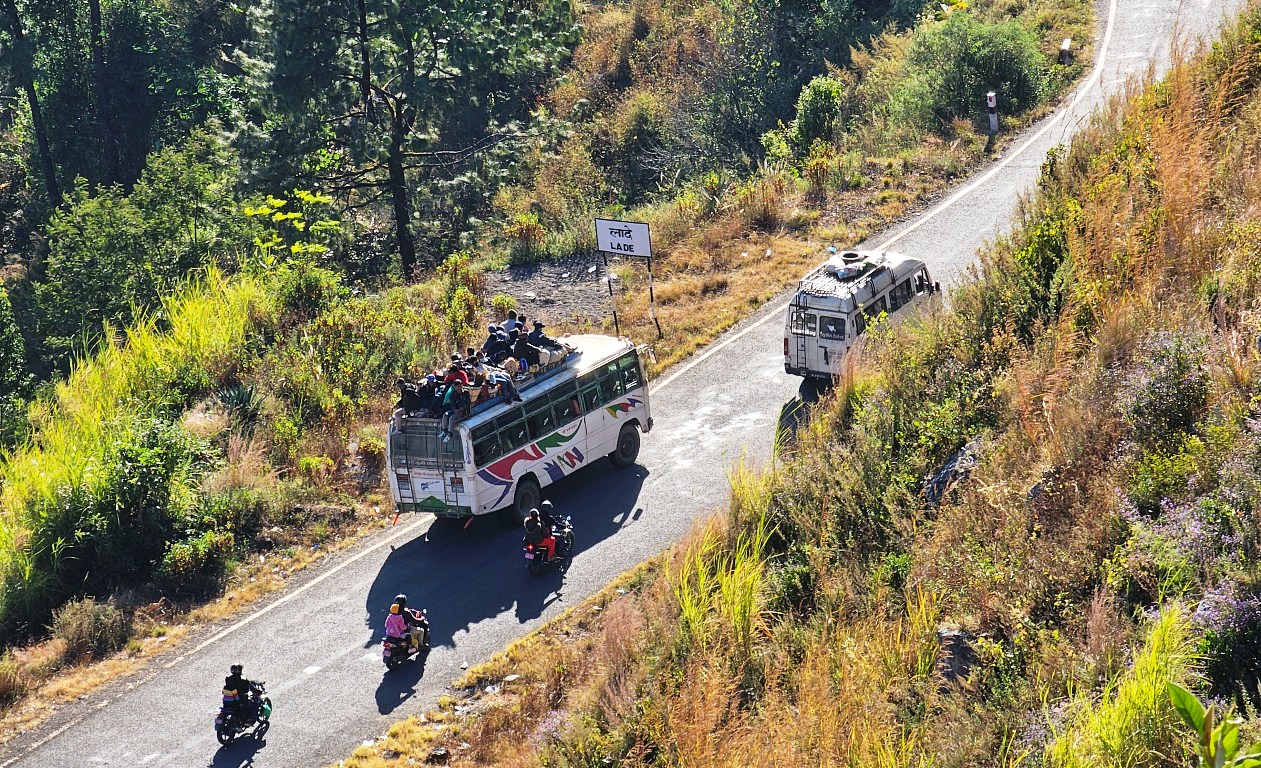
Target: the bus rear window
pixel 831 327
pixel 803 323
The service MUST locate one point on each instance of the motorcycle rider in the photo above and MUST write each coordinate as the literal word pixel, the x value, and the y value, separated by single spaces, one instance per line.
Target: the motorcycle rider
pixel 238 694
pixel 540 534
pixel 404 622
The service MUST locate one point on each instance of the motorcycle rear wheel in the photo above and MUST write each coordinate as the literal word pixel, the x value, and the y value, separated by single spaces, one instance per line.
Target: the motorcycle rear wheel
pixel 225 736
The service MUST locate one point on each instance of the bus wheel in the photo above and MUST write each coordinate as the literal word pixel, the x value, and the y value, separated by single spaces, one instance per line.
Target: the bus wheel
pixel 627 447
pixel 526 498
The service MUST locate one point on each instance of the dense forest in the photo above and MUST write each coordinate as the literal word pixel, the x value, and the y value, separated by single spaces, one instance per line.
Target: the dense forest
pixel 228 227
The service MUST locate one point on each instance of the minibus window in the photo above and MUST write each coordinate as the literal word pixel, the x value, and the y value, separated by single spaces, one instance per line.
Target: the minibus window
pixel 832 328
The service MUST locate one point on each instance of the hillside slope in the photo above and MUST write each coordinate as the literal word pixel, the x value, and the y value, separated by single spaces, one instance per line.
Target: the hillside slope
pixel 1095 388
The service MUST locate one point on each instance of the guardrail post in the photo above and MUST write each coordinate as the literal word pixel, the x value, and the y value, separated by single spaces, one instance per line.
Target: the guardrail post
pixel 1066 52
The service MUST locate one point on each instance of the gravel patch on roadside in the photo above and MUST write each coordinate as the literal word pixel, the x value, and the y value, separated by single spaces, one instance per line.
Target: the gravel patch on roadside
pixel 571 292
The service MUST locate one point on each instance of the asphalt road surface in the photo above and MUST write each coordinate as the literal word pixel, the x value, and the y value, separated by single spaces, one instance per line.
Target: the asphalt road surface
pixel 317 642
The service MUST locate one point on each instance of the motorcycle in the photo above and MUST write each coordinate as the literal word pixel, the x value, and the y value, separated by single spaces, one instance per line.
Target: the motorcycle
pixel 396 650
pixel 536 556
pixel 233 721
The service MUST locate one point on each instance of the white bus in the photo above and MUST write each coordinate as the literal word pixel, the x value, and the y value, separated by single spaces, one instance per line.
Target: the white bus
pixel 838 299
pixel 594 403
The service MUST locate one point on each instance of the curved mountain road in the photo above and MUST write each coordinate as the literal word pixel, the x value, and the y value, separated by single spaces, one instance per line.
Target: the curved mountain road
pixel 316 642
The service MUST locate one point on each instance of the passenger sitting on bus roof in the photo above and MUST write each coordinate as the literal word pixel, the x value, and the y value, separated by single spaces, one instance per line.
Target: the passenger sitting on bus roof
pixel 512 323
pixel 551 350
pixel 455 406
pixel 522 348
pixel 493 345
pixel 455 373
pixel 511 366
pixel 506 388
pixel 409 398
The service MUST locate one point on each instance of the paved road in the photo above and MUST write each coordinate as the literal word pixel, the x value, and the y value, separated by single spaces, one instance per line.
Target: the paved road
pixel 315 643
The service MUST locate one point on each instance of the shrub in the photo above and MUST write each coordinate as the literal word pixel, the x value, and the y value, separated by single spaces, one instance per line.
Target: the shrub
pixel 305 290
pixel 372 451
pixel 462 309
pixel 196 567
pixel 91 628
pixel 242 403
pixel 1230 617
pixel 317 469
pixel 818 111
pixel 500 303
pixel 1133 723
pixel 1167 390
pixel 960 59
pixel 12 686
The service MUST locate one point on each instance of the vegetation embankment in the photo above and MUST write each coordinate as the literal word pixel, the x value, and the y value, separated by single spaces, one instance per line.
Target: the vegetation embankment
pixel 248 340
pixel 1005 533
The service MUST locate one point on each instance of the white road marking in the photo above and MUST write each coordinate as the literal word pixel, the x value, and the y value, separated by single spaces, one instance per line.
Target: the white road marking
pixel 1085 88
pixel 312 670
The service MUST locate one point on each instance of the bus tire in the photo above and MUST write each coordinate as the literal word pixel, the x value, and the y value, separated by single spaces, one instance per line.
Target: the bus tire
pixel 525 498
pixel 627 449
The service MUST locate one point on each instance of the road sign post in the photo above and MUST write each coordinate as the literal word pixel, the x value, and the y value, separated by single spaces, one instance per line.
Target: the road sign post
pixel 626 238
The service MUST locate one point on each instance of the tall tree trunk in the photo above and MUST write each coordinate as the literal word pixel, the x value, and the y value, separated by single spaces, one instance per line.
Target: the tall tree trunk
pixel 25 74
pixel 365 59
pixel 398 191
pixel 103 101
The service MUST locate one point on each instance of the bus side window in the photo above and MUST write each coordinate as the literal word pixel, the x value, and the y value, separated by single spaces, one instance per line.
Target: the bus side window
pixel 900 294
pixel 881 305
pixel 541 421
pixel 512 434
pixel 832 328
pixel 486 449
pixel 611 384
pixel 630 372
pixel 860 323
pixel 565 402
pixel 591 399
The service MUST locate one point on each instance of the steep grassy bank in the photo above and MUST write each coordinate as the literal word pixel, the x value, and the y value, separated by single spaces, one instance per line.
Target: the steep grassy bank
pixel 1097 379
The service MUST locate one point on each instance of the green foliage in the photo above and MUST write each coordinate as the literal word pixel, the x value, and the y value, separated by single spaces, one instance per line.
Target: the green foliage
pixel 298 228
pixel 93 503
pixel 317 469
pixel 500 303
pixel 242 403
pixel 91 628
pixel 1134 722
pixel 113 256
pixel 330 367
pixel 818 111
pixel 304 290
pixel 14 379
pixel 956 61
pixel 1218 738
pixel 196 567
pixel 1166 392
pixel 1162 473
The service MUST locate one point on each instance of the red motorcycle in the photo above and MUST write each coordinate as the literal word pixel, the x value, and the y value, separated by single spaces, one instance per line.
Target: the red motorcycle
pixel 536 555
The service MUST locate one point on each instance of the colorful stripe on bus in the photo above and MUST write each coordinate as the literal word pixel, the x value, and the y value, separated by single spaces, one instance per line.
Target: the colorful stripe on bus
pixel 500 474
pixel 623 407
